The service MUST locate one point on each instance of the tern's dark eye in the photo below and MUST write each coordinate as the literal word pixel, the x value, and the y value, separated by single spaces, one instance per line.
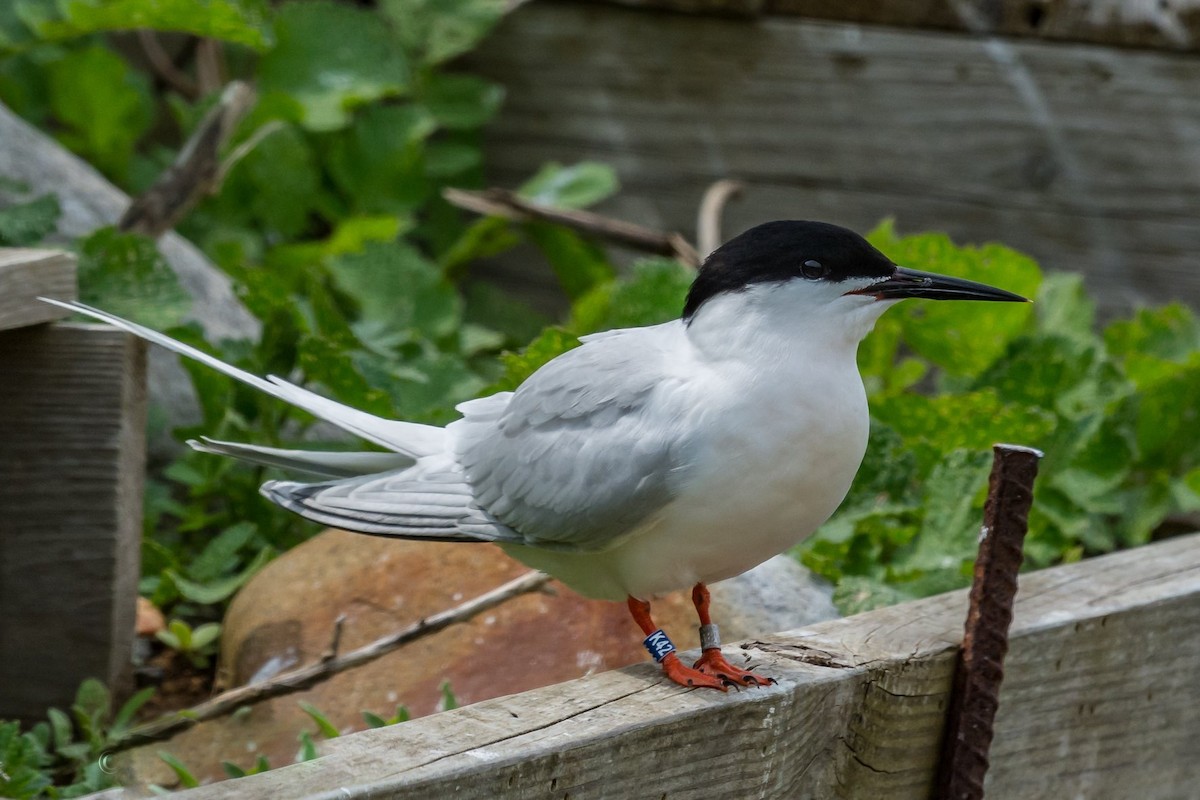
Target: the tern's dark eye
pixel 813 270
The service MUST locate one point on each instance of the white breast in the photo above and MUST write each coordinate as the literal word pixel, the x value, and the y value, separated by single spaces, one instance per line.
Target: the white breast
pixel 776 467
pixel 777 431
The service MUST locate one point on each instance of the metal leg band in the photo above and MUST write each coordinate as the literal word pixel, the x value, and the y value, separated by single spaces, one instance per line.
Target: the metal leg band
pixel 710 637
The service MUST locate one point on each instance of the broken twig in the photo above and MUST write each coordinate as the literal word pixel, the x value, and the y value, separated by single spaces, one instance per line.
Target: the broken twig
pixel 197 169
pixel 507 204
pixel 327 666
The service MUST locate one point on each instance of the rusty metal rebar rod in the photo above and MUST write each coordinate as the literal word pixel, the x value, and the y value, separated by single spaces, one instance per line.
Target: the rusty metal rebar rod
pixel 980 668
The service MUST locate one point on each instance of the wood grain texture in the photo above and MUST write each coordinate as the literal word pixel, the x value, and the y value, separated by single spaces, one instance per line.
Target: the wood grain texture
pixel 1087 158
pixel 1173 25
pixel 1103 682
pixel 28 274
pixel 72 451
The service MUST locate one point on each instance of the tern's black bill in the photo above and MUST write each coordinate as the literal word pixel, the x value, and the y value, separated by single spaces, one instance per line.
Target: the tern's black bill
pixel 906 282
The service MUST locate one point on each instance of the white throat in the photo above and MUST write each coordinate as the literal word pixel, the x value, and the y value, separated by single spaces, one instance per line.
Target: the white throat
pixel 772 321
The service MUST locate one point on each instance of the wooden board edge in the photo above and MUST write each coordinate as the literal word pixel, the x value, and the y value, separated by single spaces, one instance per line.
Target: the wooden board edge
pixel 25 275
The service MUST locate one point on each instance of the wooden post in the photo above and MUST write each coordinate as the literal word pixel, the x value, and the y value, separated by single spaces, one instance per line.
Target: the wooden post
pixel 72 450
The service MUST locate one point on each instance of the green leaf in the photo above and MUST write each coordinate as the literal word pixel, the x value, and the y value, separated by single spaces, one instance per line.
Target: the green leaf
pixel 205 635
pixel 185 776
pixel 1174 397
pixel 220 554
pixel 233 770
pixel 461 102
pixel 377 161
pixel 168 638
pixel 93 703
pixel 949 534
pixel 434 31
pixel 24 224
pixel 235 21
pixel 856 594
pixel 374 720
pixel 129 708
pixel 399 290
pixel 1057 373
pixel 448 702
pixel 1063 307
pixel 308 750
pixel 327 728
pixel 551 343
pixel 483 238
pixel 354 233
pixel 331 58
pixel 124 274
pixel 62 728
pixel 278 185
pixel 577 186
pixel 446 160
pixel 652 294
pixel 970 421
pixel 425 387
pixel 103 106
pixel 221 589
pixel 1170 333
pixel 495 309
pixel 579 265
pixel 961 338
pixel 23 763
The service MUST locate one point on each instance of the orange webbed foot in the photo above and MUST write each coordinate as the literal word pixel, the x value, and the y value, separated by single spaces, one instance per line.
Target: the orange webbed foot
pixel 713 662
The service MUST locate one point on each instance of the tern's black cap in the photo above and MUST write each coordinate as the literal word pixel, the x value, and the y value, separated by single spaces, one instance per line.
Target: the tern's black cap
pixel 781 251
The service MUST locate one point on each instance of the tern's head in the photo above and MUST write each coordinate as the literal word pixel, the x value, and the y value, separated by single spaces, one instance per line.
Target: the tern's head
pixel 819 270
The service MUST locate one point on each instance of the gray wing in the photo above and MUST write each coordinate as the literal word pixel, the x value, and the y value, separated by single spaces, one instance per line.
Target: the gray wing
pixel 429 500
pixel 586 449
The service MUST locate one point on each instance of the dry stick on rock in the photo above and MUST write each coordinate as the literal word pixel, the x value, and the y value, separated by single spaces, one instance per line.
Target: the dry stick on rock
pixel 327 666
pixel 980 669
pixel 507 204
pixel 196 172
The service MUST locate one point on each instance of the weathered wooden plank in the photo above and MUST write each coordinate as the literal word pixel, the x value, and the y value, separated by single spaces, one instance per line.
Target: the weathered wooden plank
pixel 27 274
pixel 1103 680
pixel 72 451
pixel 1088 158
pixel 1131 23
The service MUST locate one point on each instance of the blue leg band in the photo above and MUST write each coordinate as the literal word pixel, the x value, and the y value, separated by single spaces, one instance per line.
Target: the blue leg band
pixel 658 645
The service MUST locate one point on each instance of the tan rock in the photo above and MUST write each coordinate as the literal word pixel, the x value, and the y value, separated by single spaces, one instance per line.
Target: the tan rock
pixel 149 618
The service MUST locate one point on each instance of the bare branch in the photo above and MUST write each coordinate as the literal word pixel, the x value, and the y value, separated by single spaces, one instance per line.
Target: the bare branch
pixel 327 666
pixel 164 67
pixel 243 149
pixel 336 641
pixel 712 206
pixel 209 67
pixel 196 170
pixel 504 203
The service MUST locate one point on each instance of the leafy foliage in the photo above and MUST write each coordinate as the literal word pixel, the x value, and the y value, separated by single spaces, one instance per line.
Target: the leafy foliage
pixel 30 22
pixel 71 746
pixel 196 644
pixel 28 222
pixel 1097 404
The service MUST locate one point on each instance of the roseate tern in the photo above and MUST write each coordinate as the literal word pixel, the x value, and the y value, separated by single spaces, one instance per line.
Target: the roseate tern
pixel 647 459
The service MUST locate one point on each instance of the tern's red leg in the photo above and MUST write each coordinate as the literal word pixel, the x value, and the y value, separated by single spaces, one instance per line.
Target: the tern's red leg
pixel 712 662
pixel 673 668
